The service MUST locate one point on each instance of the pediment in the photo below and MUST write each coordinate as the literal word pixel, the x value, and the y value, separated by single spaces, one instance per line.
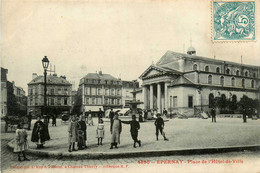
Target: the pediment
pixel 152 71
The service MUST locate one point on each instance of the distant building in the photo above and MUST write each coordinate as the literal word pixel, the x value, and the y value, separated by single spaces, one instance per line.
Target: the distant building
pixel 58 94
pixel 3 91
pixel 105 91
pixel 20 97
pixel 185 83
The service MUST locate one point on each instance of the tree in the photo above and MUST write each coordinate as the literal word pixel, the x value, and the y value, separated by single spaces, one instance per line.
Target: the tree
pixel 76 107
pixel 246 103
pixel 221 102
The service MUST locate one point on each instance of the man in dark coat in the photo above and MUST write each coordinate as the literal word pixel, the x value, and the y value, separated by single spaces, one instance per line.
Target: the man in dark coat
pixel 165 112
pixel 213 114
pixel 159 124
pixel 134 127
pixel 54 117
pixel 100 114
pixel 82 128
pixel 244 112
pixel 111 117
pixel 29 120
pixel 40 133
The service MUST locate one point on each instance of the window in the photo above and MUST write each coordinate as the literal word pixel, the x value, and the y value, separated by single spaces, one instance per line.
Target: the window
pixel 243 83
pixel 233 81
pixel 106 81
pixel 210 79
pixel 98 81
pixel 99 91
pixel 87 90
pixel 207 68
pixel 106 92
pixel 65 101
pixel 31 101
pixel 237 73
pixel 190 101
pixel 65 91
pixel 118 92
pixel 112 101
pixel 112 92
pixel 52 101
pixel 99 101
pixel 118 101
pixel 246 73
pixel 106 101
pixel 227 71
pixel 254 74
pixel 222 80
pixel 195 67
pixel 217 70
pixel 174 101
pixel 93 80
pixel 59 90
pixel 87 100
pixel 127 94
pixel 52 91
pixel 252 84
pixel 36 100
pixel 93 91
pixel 93 100
pixel 59 101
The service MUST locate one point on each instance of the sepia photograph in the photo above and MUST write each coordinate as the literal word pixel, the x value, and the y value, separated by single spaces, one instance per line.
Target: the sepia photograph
pixel 130 86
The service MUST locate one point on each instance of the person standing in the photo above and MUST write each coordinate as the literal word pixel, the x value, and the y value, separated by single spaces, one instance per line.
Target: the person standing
pixel 54 117
pixel 165 112
pixel 111 117
pixel 115 131
pixel 100 131
pixel 134 127
pixel 21 143
pixel 90 119
pixel 40 133
pixel 81 133
pixel 159 124
pixel 29 120
pixel 213 115
pixel 100 114
pixel 244 112
pixel 73 133
pixel 140 116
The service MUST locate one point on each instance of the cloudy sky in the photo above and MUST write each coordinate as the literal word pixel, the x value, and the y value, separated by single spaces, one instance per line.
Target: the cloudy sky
pixel 121 38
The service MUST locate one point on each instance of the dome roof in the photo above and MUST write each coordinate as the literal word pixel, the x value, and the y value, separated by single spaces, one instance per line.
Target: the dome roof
pixel 191 49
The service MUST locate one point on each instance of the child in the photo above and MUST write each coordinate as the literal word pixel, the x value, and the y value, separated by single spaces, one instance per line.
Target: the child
pixel 100 131
pixel 134 127
pixel 21 143
pixel 159 124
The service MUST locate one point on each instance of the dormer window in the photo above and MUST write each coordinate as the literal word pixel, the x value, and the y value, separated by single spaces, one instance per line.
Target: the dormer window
pixel 195 67
pixel 217 70
pixel 227 71
pixel 237 73
pixel 207 68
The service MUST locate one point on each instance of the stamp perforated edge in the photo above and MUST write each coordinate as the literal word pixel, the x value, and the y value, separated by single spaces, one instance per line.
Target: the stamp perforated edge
pixel 233 41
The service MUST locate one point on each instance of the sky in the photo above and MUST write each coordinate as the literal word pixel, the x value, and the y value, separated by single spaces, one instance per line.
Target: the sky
pixel 122 38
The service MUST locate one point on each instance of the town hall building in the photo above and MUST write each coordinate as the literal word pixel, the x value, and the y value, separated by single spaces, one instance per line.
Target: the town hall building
pixel 186 82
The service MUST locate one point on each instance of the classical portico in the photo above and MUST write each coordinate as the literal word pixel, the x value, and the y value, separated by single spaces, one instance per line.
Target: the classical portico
pixel 155 88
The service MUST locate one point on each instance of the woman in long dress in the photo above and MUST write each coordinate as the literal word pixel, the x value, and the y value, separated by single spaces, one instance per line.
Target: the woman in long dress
pixel 21 143
pixel 115 131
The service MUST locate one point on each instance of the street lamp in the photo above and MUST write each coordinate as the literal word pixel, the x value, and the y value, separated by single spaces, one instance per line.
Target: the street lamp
pixel 45 64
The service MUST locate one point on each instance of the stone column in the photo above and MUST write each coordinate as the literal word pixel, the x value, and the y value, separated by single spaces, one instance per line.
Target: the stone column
pixel 144 92
pixel 166 96
pixel 159 98
pixel 151 96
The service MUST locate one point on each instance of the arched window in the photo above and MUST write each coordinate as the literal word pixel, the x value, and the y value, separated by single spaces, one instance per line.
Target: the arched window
pixel 207 68
pixel 211 100
pixel 233 81
pixel 243 83
pixel 222 80
pixel 246 73
pixel 195 67
pixel 237 72
pixel 227 71
pixel 210 79
pixel 252 83
pixel 217 70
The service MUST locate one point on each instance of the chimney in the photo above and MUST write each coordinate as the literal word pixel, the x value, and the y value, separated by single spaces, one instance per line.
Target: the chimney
pixel 34 75
pixel 100 73
pixel 64 77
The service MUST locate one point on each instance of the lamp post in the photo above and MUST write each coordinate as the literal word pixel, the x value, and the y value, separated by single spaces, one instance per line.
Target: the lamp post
pixel 45 64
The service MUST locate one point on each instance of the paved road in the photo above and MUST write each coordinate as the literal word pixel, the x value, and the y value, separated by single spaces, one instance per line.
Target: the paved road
pixel 242 160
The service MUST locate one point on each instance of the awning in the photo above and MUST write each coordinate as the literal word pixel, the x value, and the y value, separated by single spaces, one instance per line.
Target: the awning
pixel 93 108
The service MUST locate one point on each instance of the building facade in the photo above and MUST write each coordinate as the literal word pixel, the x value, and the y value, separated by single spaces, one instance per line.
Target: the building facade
pixel 186 82
pixel 3 91
pixel 104 91
pixel 58 94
